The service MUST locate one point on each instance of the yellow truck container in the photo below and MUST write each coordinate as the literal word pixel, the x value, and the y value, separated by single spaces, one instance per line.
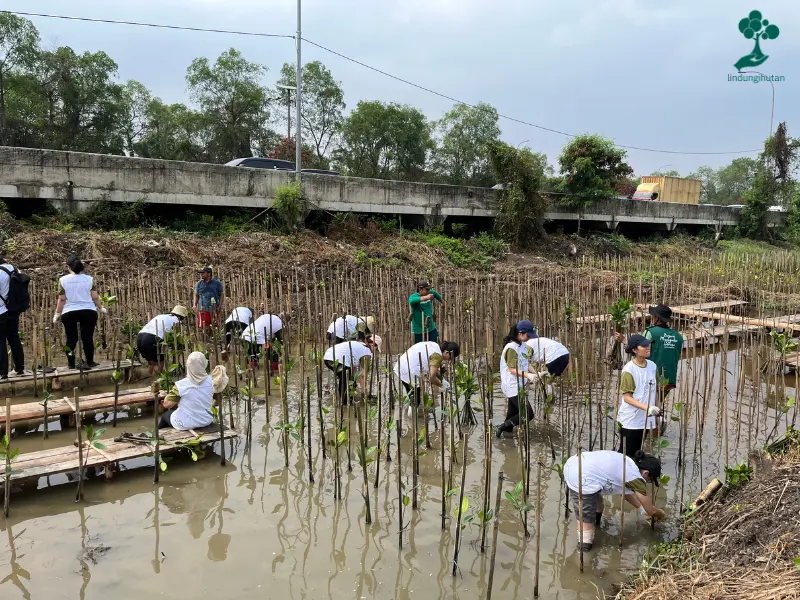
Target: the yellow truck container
pixel 668 189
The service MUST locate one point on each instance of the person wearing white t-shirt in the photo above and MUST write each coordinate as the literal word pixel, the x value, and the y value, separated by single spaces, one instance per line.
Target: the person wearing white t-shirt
pixel 77 308
pixel 235 324
pixel 601 474
pixel 425 359
pixel 261 334
pixel 9 327
pixel 150 337
pixel 637 387
pixel 514 374
pixel 548 352
pixel 188 404
pixel 348 358
pixel 348 327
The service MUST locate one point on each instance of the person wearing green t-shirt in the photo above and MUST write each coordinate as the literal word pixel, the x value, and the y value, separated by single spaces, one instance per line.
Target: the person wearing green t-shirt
pixel 421 303
pixel 666 347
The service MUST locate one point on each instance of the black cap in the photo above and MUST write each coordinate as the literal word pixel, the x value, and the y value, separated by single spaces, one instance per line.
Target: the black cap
pixel 205 270
pixel 452 348
pixel 662 311
pixel 635 341
pixel 649 463
pixel 424 284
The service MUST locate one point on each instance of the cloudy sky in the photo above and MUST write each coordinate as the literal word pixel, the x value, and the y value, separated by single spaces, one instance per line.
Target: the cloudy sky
pixel 645 73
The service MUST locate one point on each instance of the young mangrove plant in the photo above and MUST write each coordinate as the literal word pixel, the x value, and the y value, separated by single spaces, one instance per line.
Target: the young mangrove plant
pixel 8 454
pixel 620 313
pixel 516 498
pixel 466 385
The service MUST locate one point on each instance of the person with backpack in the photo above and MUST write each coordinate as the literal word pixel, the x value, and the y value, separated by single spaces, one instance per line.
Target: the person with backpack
pixel 14 300
pixel 78 306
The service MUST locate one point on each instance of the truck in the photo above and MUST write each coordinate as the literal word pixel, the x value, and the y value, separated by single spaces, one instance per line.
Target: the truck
pixel 668 189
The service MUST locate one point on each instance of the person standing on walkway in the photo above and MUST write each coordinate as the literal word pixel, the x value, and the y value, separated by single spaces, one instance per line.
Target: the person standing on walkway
pixel 149 341
pixel 421 303
pixel 77 308
pixel 208 298
pixel 9 326
pixel 349 327
pixel 601 473
pixel 637 387
pixel 665 350
pixel 514 363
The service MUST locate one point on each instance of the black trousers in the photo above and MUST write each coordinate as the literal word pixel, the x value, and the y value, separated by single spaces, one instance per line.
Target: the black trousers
pixel 148 346
pixel 558 366
pixel 512 414
pixel 233 328
pixel 417 392
pixel 634 440
pixel 342 378
pixel 164 421
pixel 87 319
pixel 9 339
pixel 253 349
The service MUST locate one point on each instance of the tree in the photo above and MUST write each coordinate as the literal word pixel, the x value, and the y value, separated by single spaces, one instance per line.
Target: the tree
pixel 19 44
pixel 233 101
pixel 753 27
pixel 520 218
pixel 735 179
pixel 286 149
pixel 172 132
pixel 670 173
pixel 323 103
pixel 136 99
pixel 591 167
pixel 708 184
pixel 385 141
pixel 461 158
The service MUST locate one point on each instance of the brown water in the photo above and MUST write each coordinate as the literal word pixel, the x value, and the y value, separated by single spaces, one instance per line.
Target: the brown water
pixel 254 529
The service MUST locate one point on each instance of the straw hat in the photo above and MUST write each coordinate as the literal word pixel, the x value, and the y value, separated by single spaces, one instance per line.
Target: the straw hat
pixel 180 310
pixel 370 321
pixel 219 379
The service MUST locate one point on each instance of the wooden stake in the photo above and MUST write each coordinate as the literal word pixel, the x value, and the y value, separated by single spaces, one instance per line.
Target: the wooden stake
pixel 496 530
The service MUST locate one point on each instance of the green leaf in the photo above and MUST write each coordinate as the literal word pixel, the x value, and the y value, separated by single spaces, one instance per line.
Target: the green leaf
pixel 98 445
pixel 518 488
pixel 674 418
pixel 664 479
pixel 489 515
pixel 163 466
pixel 342 437
pixel 295 435
pixel 14 454
pixel 452 492
pixel 663 443
pixel 796 562
pixel 528 507
pixel 510 497
pixel 464 505
pixel 790 402
pixel 406 500
pixel 194 455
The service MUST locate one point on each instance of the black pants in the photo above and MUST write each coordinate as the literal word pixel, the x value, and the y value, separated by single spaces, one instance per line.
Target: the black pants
pixel 148 345
pixel 512 414
pixel 417 392
pixel 558 366
pixel 87 319
pixel 9 335
pixel 431 336
pixel 164 421
pixel 233 328
pixel 253 349
pixel 634 439
pixel 342 378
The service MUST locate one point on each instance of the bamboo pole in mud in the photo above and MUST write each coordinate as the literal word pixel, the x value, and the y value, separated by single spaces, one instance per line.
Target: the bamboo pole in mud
pixel 400 498
pixel 460 503
pixel 117 378
pixel 308 413
pixel 495 531
pixel 378 439
pixel 79 430
pixel 363 456
pixel 445 494
pixel 580 503
pixel 156 439
pixel 538 525
pixel 622 503
pixel 7 466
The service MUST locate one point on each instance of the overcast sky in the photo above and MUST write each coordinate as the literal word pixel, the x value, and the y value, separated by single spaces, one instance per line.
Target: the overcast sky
pixel 647 73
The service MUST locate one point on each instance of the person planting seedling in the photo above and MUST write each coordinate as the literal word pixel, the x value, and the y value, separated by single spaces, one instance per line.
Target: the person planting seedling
pixel 149 340
pixel 637 388
pixel 425 358
pixel 602 475
pixel 348 358
pixel 235 324
pixel 265 330
pixel 514 362
pixel 349 327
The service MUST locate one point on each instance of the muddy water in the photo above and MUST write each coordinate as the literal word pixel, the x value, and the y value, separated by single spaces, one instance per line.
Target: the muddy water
pixel 253 529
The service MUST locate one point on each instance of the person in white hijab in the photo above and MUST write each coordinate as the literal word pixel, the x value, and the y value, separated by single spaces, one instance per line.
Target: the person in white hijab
pixel 189 401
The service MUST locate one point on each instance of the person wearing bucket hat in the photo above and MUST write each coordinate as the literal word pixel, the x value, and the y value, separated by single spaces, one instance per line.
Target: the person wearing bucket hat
pixel 637 387
pixel 351 357
pixel 421 303
pixel 602 474
pixel 348 327
pixel 148 341
pixel 666 347
pixel 514 364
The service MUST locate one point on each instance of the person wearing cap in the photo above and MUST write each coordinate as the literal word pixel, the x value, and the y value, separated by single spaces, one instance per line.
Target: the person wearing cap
pixel 349 327
pixel 188 403
pixel 264 330
pixel 149 341
pixel 425 358
pixel 514 373
pixel 601 475
pixel 208 298
pixel 637 387
pixel 665 350
pixel 421 303
pixel 351 357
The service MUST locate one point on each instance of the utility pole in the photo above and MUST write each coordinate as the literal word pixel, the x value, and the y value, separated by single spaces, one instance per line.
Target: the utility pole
pixel 298 98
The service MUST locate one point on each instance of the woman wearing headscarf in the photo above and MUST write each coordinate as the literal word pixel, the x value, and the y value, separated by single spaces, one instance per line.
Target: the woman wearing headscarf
pixel 189 401
pixel 78 305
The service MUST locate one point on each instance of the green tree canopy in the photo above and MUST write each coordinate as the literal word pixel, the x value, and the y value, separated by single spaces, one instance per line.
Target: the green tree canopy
pixel 386 141
pixel 19 45
pixel 592 167
pixel 461 156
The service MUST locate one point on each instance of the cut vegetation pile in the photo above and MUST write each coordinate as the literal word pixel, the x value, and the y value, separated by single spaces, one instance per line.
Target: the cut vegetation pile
pixel 743 545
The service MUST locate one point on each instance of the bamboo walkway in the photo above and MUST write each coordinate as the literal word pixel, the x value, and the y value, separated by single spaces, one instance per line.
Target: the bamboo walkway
pixel 641 310
pixel 65 458
pixel 62 372
pixel 58 407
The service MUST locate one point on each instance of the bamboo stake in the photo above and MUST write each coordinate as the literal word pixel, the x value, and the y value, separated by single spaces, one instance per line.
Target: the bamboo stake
pixel 495 531
pixel 79 428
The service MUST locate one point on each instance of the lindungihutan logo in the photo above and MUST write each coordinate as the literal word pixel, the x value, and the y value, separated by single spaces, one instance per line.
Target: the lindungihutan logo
pixel 755 27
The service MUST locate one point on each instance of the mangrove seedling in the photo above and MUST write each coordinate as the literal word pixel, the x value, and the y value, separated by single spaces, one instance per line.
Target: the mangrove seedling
pixel 466 385
pixel 8 454
pixel 738 475
pixel 620 313
pixel 517 499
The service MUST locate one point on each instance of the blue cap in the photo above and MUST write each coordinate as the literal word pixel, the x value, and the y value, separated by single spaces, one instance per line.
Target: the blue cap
pixel 526 327
pixel 637 340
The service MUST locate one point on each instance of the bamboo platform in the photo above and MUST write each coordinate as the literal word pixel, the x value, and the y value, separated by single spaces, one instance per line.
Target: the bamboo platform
pixel 65 459
pixel 61 372
pixel 595 319
pixel 58 407
pixel 641 310
pixel 713 335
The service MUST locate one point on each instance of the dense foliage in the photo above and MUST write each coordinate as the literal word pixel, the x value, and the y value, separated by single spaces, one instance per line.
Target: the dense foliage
pixel 592 167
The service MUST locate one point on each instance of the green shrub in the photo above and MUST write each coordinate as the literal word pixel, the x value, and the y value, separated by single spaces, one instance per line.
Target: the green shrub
pixel 108 215
pixel 479 252
pixel 288 205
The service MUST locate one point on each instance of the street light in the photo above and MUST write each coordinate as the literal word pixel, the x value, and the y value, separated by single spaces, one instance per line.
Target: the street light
pixel 299 95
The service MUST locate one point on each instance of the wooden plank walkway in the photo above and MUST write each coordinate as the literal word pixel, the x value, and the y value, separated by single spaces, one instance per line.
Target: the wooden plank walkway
pixel 65 458
pixel 641 310
pixel 714 335
pixel 56 407
pixel 60 372
pixel 594 319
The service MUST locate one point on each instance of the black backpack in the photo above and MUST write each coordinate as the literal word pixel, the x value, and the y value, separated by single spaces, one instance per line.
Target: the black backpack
pixel 18 299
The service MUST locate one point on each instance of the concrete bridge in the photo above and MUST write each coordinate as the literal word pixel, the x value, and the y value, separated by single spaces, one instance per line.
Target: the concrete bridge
pixel 72 181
